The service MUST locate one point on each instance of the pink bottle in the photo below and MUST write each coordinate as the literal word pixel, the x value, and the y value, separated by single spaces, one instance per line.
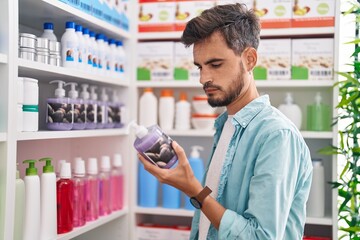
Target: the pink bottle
pixel 104 182
pixel 79 193
pixel 117 184
pixel 92 190
pixel 65 200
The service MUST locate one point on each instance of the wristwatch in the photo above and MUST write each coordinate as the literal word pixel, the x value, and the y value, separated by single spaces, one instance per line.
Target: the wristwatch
pixel 198 199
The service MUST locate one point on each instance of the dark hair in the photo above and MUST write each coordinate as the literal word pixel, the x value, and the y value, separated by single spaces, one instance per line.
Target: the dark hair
pixel 239 26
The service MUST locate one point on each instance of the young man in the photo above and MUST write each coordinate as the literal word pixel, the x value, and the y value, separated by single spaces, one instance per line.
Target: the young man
pixel 260 168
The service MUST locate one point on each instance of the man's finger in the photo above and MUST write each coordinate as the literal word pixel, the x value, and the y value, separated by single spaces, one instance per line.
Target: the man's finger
pixel 179 152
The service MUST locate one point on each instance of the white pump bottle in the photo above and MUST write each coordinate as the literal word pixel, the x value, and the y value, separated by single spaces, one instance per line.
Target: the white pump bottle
pixel 78 105
pixel 291 110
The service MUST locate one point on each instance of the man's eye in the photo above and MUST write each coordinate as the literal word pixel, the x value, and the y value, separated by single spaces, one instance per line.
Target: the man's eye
pixel 198 67
pixel 215 65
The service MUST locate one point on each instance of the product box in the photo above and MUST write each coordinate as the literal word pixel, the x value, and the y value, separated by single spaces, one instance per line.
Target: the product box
pixel 124 17
pixel 156 15
pixel 86 6
pixel 273 13
pixel 153 232
pixel 184 68
pixel 313 13
pixel 181 233
pixel 249 3
pixel 187 9
pixel 312 59
pixel 155 61
pixel 274 60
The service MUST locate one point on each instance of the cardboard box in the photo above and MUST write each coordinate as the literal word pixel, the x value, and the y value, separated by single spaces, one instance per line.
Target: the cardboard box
pixel 153 232
pixel 313 13
pixel 184 68
pixel 248 3
pixel 312 59
pixel 181 233
pixel 155 61
pixel 274 60
pixel 156 16
pixel 185 10
pixel 273 13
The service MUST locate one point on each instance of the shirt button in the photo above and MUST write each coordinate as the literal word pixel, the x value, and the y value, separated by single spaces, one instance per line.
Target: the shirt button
pixel 244 123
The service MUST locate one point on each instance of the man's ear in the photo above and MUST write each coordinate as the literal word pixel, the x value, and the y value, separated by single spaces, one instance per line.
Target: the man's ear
pixel 250 58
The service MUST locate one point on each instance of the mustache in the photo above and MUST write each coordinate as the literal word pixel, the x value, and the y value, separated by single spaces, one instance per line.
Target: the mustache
pixel 210 85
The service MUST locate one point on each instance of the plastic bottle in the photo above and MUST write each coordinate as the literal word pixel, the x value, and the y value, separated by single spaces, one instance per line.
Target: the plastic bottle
pixel 65 200
pixel 69 47
pixel 121 60
pixel 291 110
pixel 82 46
pixel 94 47
pixel 92 190
pixel 78 106
pixel 316 201
pixel 58 168
pixel 19 207
pixel 103 120
pixel 59 110
pixel 148 108
pixel 112 57
pixel 148 188
pixel 49 32
pixel 89 50
pixel 170 196
pixel 117 183
pixel 182 113
pixel 91 106
pixel 115 110
pixel 166 110
pixel 154 145
pixel 197 166
pixel 318 115
pixel 79 193
pixel 107 57
pixel 48 229
pixel 32 202
pixel 101 53
pixel 104 186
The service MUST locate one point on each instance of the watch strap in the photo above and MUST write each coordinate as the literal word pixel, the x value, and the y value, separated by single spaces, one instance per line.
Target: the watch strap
pixel 203 194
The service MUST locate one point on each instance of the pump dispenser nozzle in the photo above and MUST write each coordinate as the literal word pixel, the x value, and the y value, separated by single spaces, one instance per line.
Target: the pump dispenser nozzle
pixel 84 93
pixel 93 94
pixel 114 96
pixel 31 170
pixel 104 96
pixel 59 92
pixel 195 151
pixel 140 131
pixel 73 93
pixel 48 168
pixel 318 98
pixel 288 98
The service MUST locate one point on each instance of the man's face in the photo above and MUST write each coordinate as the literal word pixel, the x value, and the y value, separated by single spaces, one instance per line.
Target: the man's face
pixel 221 71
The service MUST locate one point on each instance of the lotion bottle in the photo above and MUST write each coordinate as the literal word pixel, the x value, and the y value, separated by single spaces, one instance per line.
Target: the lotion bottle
pixel 182 113
pixel 104 186
pixel 69 46
pixel 94 52
pixel 117 183
pixel 19 207
pixel 48 230
pixel 78 106
pixel 291 110
pixel 166 110
pixel 79 193
pixel 32 202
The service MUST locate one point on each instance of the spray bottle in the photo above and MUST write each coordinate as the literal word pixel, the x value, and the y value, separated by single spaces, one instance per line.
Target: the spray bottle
pixel 78 105
pixel 91 108
pixel 197 165
pixel 59 110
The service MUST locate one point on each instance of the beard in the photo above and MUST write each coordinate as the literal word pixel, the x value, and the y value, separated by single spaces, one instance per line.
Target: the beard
pixel 230 95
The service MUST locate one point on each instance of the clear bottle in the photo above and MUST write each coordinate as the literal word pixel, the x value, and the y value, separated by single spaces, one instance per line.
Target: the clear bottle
pixel 92 190
pixel 49 32
pixel 117 183
pixel 59 109
pixel 148 108
pixel 65 200
pixel 101 53
pixel 94 52
pixel 316 202
pixel 79 193
pixel 103 110
pixel 182 113
pixel 69 47
pixel 82 46
pixel 166 109
pixel 78 106
pixel 154 145
pixel 104 186
pixel 115 113
pixel 88 50
pixel 48 229
pixel 32 202
pixel 291 110
pixel 90 106
pixel 58 168
pixel 19 207
pixel 121 60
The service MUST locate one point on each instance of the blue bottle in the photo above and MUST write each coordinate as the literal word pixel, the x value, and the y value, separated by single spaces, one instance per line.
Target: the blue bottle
pixel 197 165
pixel 148 188
pixel 170 196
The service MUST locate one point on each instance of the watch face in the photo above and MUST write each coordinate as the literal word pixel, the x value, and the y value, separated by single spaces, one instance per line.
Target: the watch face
pixel 195 203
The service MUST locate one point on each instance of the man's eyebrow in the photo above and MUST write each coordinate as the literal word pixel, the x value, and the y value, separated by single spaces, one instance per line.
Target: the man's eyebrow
pixel 210 61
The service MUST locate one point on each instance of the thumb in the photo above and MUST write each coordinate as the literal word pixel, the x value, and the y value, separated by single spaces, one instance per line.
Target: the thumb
pixel 179 152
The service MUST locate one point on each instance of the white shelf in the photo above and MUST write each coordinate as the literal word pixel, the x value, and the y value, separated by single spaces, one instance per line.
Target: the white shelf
pixel 58 13
pixel 165 211
pixel 317 135
pixel 42 71
pixel 327 220
pixel 24 136
pixel 280 32
pixel 166 84
pixel 91 225
pixel 3 137
pixel 3 58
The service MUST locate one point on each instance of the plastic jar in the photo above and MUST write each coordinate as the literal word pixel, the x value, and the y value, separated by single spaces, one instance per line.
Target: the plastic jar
pixel 30 118
pixel 31 91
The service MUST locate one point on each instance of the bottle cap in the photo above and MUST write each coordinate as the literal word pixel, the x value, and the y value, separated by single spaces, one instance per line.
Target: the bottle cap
pixel 99 36
pixel 59 91
pixel 318 98
pixel 119 43
pixel 289 98
pixel 92 34
pixel 48 168
pixel 70 25
pixel 166 93
pixel 195 151
pixel 73 94
pixel 117 161
pixel 316 162
pixel 48 25
pixel 183 96
pixel 105 164
pixel 140 131
pixel 86 31
pixel 92 167
pixel 84 93
pixel 65 170
pixel 31 170
pixel 79 167
pixel 78 28
pixel 148 90
pixel 60 162
pixel 111 41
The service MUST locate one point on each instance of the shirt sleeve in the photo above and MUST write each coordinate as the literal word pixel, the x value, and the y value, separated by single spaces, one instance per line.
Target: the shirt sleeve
pixel 271 191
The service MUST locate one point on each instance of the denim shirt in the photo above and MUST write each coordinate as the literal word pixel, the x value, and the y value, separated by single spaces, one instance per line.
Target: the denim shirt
pixel 266 177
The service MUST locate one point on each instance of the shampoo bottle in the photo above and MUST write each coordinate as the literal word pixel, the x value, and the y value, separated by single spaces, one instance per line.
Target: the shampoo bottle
pixel 65 200
pixel 32 202
pixel 92 190
pixel 79 193
pixel 197 165
pixel 59 110
pixel 82 46
pixel 148 188
pixel 182 113
pixel 88 50
pixel 318 115
pixel 148 108
pixel 154 145
pixel 104 186
pixel 78 106
pixel 166 109
pixel 316 201
pixel 117 183
pixel 69 47
pixel 19 207
pixel 48 225
pixel 291 110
